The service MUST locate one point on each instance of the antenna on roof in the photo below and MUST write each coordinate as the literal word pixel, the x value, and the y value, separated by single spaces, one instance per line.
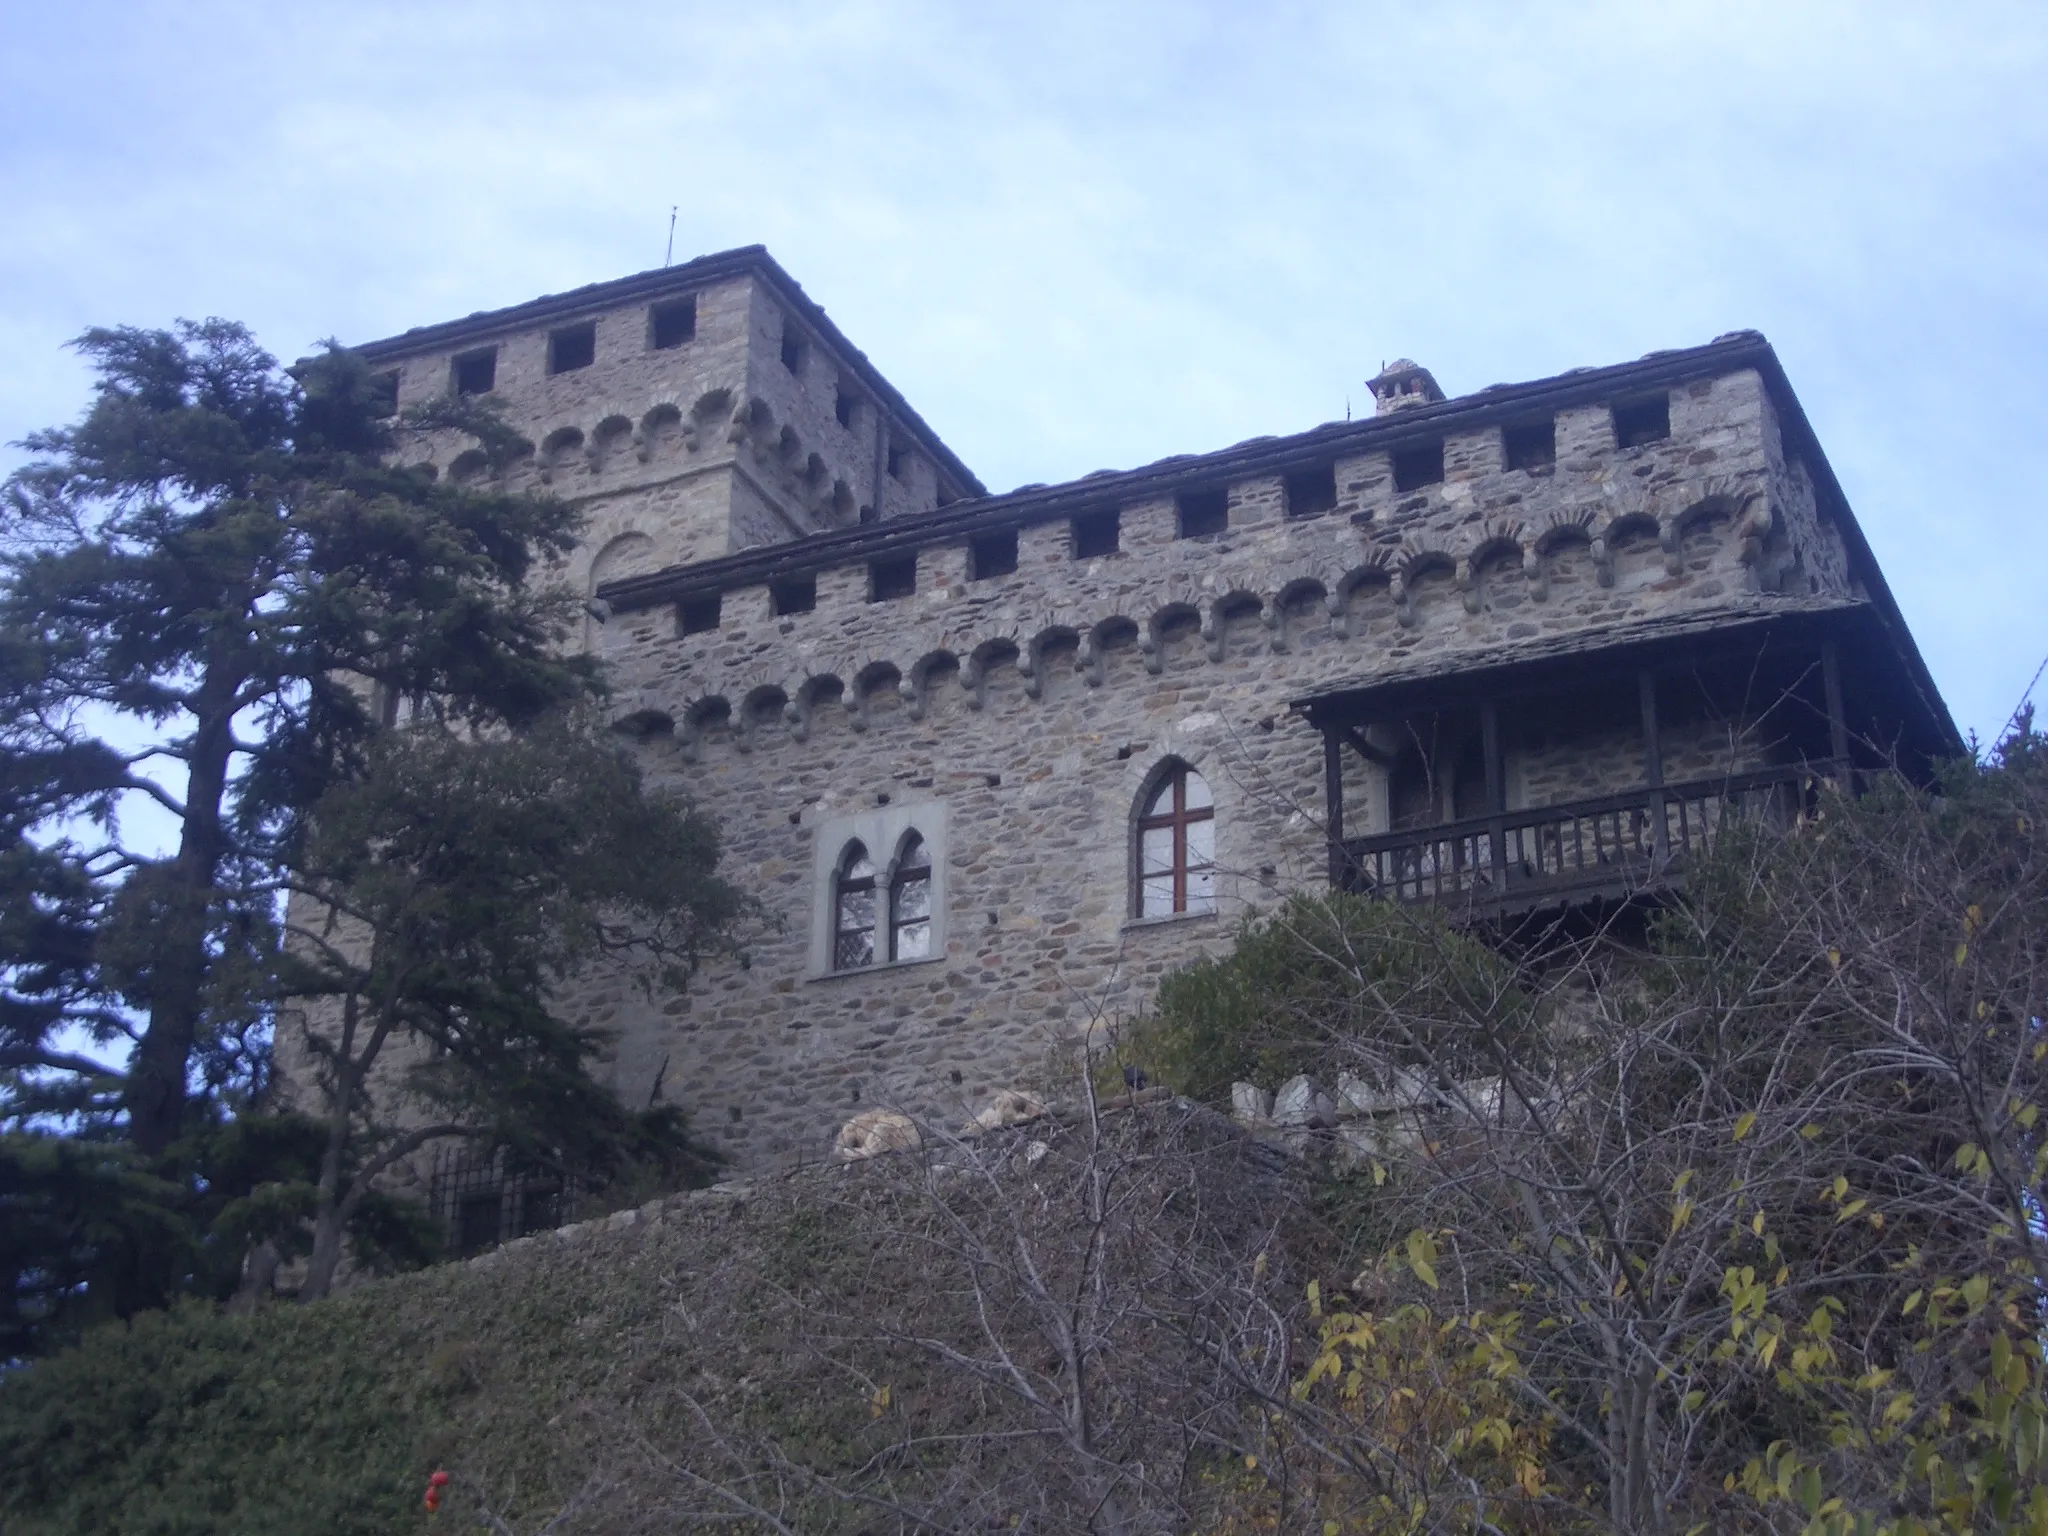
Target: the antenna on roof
pixel 669 255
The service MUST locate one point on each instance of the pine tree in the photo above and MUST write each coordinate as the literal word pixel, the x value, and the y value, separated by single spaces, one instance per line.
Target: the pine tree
pixel 220 590
pixel 209 583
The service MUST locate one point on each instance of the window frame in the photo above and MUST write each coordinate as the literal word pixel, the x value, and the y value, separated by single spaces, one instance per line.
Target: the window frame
pixel 903 877
pixel 1172 777
pixel 918 823
pixel 845 884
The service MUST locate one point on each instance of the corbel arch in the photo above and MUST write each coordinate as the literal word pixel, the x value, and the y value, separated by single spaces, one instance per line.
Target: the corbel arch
pixel 659 428
pixel 1105 635
pixel 763 704
pixel 1374 572
pixel 1416 563
pixel 1617 527
pixel 1050 639
pixel 607 438
pixel 470 466
pixel 1498 545
pixel 752 418
pixel 808 697
pixel 702 716
pixel 985 657
pixel 1295 595
pixel 873 679
pixel 1177 614
pixel 924 674
pixel 1234 604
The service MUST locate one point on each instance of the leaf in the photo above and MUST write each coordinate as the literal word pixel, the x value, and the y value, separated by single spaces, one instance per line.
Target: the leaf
pixel 1810 1490
pixel 1422 1257
pixel 1746 1124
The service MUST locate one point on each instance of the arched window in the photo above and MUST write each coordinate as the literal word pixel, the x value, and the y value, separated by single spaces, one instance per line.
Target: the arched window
pixel 1177 846
pixel 853 910
pixel 910 901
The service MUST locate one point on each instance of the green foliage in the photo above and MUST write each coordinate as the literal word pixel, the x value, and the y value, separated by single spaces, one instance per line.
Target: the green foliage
pixel 1759 1201
pixel 552 1374
pixel 217 590
pixel 445 896
pixel 225 564
pixel 73 1213
pixel 189 1422
pixel 1322 970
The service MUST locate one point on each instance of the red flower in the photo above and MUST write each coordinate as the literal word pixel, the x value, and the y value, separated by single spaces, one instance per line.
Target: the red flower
pixel 439 1480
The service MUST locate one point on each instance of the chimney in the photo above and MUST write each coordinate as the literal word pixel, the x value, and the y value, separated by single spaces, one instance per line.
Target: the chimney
pixel 1401 384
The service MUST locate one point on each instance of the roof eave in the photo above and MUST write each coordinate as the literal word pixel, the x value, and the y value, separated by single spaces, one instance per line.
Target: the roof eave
pixel 744 261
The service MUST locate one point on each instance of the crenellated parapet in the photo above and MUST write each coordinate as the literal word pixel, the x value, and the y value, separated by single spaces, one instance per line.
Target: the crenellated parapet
pixel 1026 753
pixel 1298 608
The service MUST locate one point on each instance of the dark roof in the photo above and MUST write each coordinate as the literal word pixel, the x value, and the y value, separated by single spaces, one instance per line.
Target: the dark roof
pixel 746 261
pixel 1275 455
pixel 1889 698
pixel 1560 657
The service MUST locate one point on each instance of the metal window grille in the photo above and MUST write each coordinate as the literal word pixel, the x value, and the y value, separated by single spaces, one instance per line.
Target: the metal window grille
pixel 486 1200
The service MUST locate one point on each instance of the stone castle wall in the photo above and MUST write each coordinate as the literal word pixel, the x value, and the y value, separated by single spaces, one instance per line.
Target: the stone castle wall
pixel 686 453
pixel 1023 716
pixel 1015 717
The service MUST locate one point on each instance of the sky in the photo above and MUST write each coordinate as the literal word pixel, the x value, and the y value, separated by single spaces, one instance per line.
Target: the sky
pixel 1087 235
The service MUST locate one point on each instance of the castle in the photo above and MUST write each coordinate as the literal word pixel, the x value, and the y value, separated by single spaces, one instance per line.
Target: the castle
pixel 996 762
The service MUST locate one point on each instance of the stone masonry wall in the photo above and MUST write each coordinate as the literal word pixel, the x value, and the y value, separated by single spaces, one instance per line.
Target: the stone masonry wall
pixel 686 453
pixel 1027 713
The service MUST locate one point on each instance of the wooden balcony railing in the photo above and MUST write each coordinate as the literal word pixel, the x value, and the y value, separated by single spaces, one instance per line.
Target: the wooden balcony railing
pixel 1613 846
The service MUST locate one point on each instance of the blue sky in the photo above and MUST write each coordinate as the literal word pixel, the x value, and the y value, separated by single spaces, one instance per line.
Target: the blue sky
pixel 1088 235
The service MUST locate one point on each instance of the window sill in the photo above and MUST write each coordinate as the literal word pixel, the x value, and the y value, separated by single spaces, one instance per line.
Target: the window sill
pixel 878 966
pixel 1168 919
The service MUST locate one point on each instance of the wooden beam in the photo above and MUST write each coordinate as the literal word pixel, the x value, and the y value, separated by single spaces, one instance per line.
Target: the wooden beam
pixel 1838 723
pixel 1496 786
pixel 1496 766
pixel 1653 764
pixel 1366 749
pixel 1333 804
pixel 1653 740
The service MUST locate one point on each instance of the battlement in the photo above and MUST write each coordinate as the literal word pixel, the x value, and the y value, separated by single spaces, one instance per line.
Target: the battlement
pixel 992 765
pixel 714 397
pixel 1543 515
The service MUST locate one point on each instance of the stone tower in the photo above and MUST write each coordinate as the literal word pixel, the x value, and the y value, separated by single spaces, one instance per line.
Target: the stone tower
pixel 695 411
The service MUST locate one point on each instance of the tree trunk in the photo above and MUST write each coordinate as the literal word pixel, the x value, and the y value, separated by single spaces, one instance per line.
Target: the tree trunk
pixel 156 1088
pixel 259 1274
pixel 331 1210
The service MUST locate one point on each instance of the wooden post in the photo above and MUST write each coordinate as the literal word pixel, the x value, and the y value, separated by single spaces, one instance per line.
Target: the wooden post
pixel 1333 802
pixel 1838 724
pixel 1653 765
pixel 1496 788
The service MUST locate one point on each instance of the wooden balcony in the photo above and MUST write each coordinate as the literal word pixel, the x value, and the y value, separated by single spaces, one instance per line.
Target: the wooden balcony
pixel 1611 848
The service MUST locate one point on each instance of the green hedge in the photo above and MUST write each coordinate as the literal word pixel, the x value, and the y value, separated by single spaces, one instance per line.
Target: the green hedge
pixel 328 1418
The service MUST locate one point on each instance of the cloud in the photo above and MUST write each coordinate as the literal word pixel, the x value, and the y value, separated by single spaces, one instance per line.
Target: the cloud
pixel 1085 235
